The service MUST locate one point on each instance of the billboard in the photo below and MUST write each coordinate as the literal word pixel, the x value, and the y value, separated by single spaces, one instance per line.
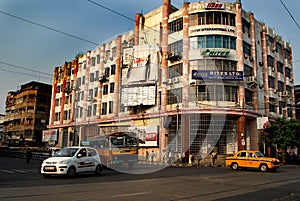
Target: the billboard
pixel 49 135
pixel 138 83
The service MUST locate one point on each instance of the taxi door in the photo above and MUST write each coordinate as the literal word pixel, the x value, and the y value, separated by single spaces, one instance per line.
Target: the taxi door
pixel 82 159
pixel 252 160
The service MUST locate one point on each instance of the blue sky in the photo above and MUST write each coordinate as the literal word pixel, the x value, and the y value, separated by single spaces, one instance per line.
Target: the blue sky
pixel 30 46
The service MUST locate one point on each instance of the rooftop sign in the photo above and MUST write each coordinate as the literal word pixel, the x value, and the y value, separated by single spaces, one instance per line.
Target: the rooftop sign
pixel 214 5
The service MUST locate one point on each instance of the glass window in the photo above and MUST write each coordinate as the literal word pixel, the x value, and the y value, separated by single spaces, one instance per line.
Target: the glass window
pixel 209 41
pixel 218 41
pixel 201 42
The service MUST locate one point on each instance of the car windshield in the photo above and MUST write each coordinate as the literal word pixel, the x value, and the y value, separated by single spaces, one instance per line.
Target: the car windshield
pixel 259 154
pixel 66 152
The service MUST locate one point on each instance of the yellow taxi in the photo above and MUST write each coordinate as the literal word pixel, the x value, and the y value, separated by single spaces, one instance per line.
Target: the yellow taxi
pixel 252 159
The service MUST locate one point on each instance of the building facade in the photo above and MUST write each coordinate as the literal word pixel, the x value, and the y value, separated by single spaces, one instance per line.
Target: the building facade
pixel 27 113
pixel 187 80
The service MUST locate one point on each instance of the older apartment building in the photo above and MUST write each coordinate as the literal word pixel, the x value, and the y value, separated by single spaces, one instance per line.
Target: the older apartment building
pixel 27 113
pixel 191 79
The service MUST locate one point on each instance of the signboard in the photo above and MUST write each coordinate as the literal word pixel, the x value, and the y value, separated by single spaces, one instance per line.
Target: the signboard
pixel 148 135
pixel 261 121
pixel 133 96
pixel 217 75
pixel 215 53
pixel 214 5
pixel 49 135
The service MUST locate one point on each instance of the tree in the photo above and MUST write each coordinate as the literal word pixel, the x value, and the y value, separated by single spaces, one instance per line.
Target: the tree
pixel 284 133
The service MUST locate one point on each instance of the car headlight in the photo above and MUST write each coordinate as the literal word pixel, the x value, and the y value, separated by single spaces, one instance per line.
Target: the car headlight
pixel 64 162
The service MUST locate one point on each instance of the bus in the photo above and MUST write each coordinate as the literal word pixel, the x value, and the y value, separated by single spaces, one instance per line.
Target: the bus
pixel 115 149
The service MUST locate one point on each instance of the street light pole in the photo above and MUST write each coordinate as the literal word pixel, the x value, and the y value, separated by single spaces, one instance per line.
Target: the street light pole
pixel 176 136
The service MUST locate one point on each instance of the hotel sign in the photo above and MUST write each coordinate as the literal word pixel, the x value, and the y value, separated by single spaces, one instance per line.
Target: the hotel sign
pixel 217 75
pixel 215 53
pixel 214 5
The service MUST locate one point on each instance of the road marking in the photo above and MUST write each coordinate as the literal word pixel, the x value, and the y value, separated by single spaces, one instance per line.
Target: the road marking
pixel 22 171
pixel 7 171
pixel 131 194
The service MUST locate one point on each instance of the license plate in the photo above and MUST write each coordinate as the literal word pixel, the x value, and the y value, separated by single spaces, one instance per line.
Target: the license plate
pixel 49 168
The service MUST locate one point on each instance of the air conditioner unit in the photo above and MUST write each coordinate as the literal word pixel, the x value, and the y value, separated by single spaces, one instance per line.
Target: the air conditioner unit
pixel 275 90
pixel 245 56
pixel 175 79
pixel 260 63
pixel 169 81
pixel 291 80
pixel 251 79
pixel 273 69
pixel 274 49
pixel 250 58
pixel 111 58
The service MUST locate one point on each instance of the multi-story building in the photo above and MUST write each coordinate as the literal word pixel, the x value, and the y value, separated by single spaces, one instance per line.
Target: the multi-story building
pixel 27 113
pixel 194 79
pixel 297 101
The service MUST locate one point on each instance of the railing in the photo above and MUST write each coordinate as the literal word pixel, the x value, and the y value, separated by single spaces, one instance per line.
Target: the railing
pixel 19 153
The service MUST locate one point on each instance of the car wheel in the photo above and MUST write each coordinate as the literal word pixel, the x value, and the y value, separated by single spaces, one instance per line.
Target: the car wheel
pixel 98 170
pixel 263 167
pixel 234 166
pixel 71 172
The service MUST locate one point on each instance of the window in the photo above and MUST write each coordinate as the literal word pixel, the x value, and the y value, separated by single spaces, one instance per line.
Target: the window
pixel 288 72
pixel 93 61
pixel 82 95
pixel 112 87
pixel 94 109
pixel 106 72
pixel 201 42
pixel 271 82
pixel 216 41
pixel 272 105
pixel 89 111
pixel 95 91
pixel 248 96
pixel 91 93
pixel 176 47
pixel 83 80
pixel 247 49
pixel 175 96
pixel 98 58
pixel 212 17
pixel 280 86
pixel 57 116
pixel 92 77
pixel 57 102
pixel 176 25
pixel 270 61
pixel 110 108
pixel 114 52
pixel 279 67
pixel 66 114
pixel 113 69
pixel 105 89
pixel 104 109
pixel 175 70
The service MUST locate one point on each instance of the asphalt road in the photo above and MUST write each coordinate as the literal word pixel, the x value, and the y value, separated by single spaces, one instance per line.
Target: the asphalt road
pixel 21 181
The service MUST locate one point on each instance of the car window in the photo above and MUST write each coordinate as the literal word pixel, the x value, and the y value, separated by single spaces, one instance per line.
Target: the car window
pixel 242 154
pixel 92 152
pixel 66 152
pixel 251 155
pixel 259 154
pixel 83 152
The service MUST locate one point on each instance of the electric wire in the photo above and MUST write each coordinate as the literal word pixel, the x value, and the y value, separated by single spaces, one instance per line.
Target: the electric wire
pixel 22 73
pixel 21 67
pixel 290 14
pixel 48 27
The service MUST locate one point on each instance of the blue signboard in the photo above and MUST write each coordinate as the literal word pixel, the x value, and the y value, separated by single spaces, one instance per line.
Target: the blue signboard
pixel 217 75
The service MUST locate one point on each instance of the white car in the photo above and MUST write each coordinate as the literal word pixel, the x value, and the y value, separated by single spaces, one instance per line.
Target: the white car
pixel 72 160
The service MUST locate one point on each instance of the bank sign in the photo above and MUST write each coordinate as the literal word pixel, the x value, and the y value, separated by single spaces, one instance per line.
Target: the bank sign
pixel 217 75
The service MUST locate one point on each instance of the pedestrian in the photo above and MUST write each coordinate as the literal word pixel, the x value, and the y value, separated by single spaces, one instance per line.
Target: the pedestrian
pixel 192 160
pixel 213 157
pixel 199 158
pixel 28 155
pixel 152 156
pixel 147 156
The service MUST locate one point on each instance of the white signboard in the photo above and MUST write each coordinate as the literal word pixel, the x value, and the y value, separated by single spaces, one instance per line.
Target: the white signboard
pixel 49 135
pixel 261 121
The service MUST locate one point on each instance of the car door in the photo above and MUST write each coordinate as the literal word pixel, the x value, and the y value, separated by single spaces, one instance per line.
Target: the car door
pixel 242 159
pixel 91 160
pixel 82 159
pixel 252 160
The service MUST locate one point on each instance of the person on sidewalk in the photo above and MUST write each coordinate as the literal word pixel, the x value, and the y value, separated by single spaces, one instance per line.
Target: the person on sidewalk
pixel 213 157
pixel 199 159
pixel 28 155
pixel 147 156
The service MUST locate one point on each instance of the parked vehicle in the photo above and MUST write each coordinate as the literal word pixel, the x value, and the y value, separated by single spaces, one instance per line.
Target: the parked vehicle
pixel 252 159
pixel 70 161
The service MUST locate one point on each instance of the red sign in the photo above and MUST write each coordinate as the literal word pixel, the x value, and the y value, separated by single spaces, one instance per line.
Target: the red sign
pixel 150 136
pixel 214 5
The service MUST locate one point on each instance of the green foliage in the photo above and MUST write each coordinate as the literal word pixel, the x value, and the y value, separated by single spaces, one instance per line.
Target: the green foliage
pixel 283 132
